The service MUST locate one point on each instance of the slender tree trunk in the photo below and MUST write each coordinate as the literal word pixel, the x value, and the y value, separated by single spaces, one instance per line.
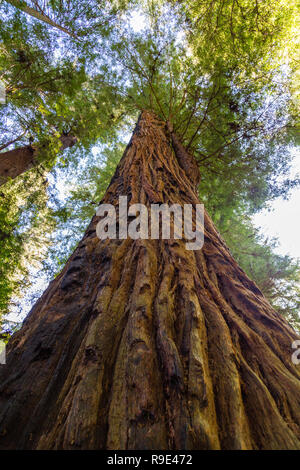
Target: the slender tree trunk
pixel 15 162
pixel 141 344
pixel 39 15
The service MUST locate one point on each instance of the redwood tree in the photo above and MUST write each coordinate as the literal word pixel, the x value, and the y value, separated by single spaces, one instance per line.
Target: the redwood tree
pixel 141 344
pixel 15 162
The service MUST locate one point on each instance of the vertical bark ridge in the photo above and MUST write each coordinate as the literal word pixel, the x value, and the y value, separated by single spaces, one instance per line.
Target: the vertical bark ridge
pixel 142 344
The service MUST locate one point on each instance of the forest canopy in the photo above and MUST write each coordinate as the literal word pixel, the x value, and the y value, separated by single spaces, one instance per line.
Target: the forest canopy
pixel 222 74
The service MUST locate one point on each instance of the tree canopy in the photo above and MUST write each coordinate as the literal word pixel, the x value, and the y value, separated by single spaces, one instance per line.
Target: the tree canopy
pixel 222 74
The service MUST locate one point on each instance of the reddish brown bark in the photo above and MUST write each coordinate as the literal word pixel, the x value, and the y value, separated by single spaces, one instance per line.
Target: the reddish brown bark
pixel 145 345
pixel 15 162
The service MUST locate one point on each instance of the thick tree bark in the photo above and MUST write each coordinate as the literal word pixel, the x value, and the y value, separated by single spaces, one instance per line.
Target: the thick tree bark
pixel 145 345
pixel 15 162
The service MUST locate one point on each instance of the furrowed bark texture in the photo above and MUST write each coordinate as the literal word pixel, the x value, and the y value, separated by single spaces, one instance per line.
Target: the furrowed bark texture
pixel 15 162
pixel 146 345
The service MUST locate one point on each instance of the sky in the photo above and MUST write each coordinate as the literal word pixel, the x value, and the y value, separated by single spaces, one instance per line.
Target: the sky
pixel 283 219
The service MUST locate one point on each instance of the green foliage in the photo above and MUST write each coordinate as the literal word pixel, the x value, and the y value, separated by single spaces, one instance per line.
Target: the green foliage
pixel 50 89
pixel 26 221
pixel 235 114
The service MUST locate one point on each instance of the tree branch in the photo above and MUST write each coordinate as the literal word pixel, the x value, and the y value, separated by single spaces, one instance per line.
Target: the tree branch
pixel 38 15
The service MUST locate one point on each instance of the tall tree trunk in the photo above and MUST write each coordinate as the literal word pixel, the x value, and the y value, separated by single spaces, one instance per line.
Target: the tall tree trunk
pixel 141 344
pixel 39 15
pixel 15 162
